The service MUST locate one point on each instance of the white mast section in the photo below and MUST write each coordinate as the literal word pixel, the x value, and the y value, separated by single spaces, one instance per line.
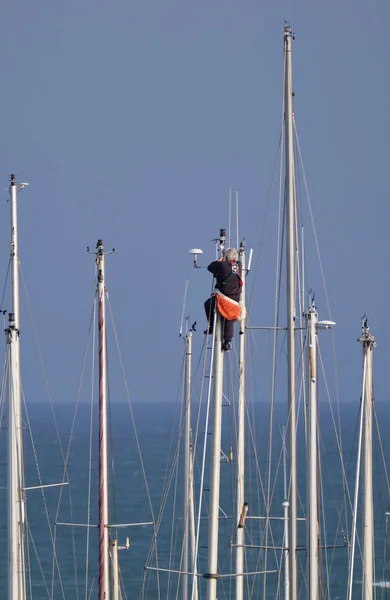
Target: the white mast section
pixel 16 509
pixel 368 342
pixel 291 281
pixel 191 509
pixel 104 578
pixel 311 464
pixel 115 571
pixel 285 520
pixel 240 535
pixel 215 462
pixel 356 496
pixel 215 454
pixel 187 459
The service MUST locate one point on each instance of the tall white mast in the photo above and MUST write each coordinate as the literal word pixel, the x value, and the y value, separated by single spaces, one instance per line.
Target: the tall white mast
pixel 291 282
pixel 311 464
pixel 215 457
pixel 16 509
pixel 240 535
pixel 187 459
pixel 104 578
pixel 215 462
pixel 368 342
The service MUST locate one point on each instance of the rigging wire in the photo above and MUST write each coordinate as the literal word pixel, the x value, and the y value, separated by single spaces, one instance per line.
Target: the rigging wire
pixel 3 385
pixel 380 501
pixel 40 356
pixel 5 286
pixel 322 512
pixel 174 505
pixel 383 471
pixel 323 282
pixel 278 267
pixel 302 171
pixel 168 477
pixel 169 474
pixel 256 267
pixel 55 422
pixel 71 434
pixel 135 432
pixel 29 557
pixel 91 414
pixel 260 487
pixel 156 524
pixel 328 565
pixel 55 558
pixel 344 470
pixel 41 359
pixel 131 408
pixel 40 566
pixel 263 491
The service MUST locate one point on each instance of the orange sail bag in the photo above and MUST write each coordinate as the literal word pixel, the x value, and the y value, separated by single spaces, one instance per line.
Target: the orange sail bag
pixel 227 308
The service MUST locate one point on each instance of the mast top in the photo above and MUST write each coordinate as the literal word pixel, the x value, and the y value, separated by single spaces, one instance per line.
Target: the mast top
pixel 288 31
pixel 367 339
pixel 13 183
pixel 99 249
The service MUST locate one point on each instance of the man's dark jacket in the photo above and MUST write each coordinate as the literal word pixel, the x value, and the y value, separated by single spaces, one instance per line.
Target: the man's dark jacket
pixel 222 271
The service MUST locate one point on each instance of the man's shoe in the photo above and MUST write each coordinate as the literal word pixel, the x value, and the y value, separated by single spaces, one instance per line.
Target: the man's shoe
pixel 226 345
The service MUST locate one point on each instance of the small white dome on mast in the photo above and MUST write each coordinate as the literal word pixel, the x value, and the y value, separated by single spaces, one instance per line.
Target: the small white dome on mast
pixel 195 252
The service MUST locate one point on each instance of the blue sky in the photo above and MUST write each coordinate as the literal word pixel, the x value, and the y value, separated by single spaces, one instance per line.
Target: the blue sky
pixel 130 120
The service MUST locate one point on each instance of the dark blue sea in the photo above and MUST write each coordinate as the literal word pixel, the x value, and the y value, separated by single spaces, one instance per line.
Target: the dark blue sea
pixel 158 430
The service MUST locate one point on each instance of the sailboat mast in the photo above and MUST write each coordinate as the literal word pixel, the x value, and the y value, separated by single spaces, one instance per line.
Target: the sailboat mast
pixel 368 342
pixel 290 260
pixel 285 520
pixel 16 510
pixel 215 462
pixel 104 579
pixel 215 455
pixel 240 536
pixel 191 517
pixel 311 473
pixel 187 459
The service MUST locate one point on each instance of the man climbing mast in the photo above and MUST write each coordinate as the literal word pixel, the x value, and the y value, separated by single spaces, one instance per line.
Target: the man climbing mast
pixel 227 272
